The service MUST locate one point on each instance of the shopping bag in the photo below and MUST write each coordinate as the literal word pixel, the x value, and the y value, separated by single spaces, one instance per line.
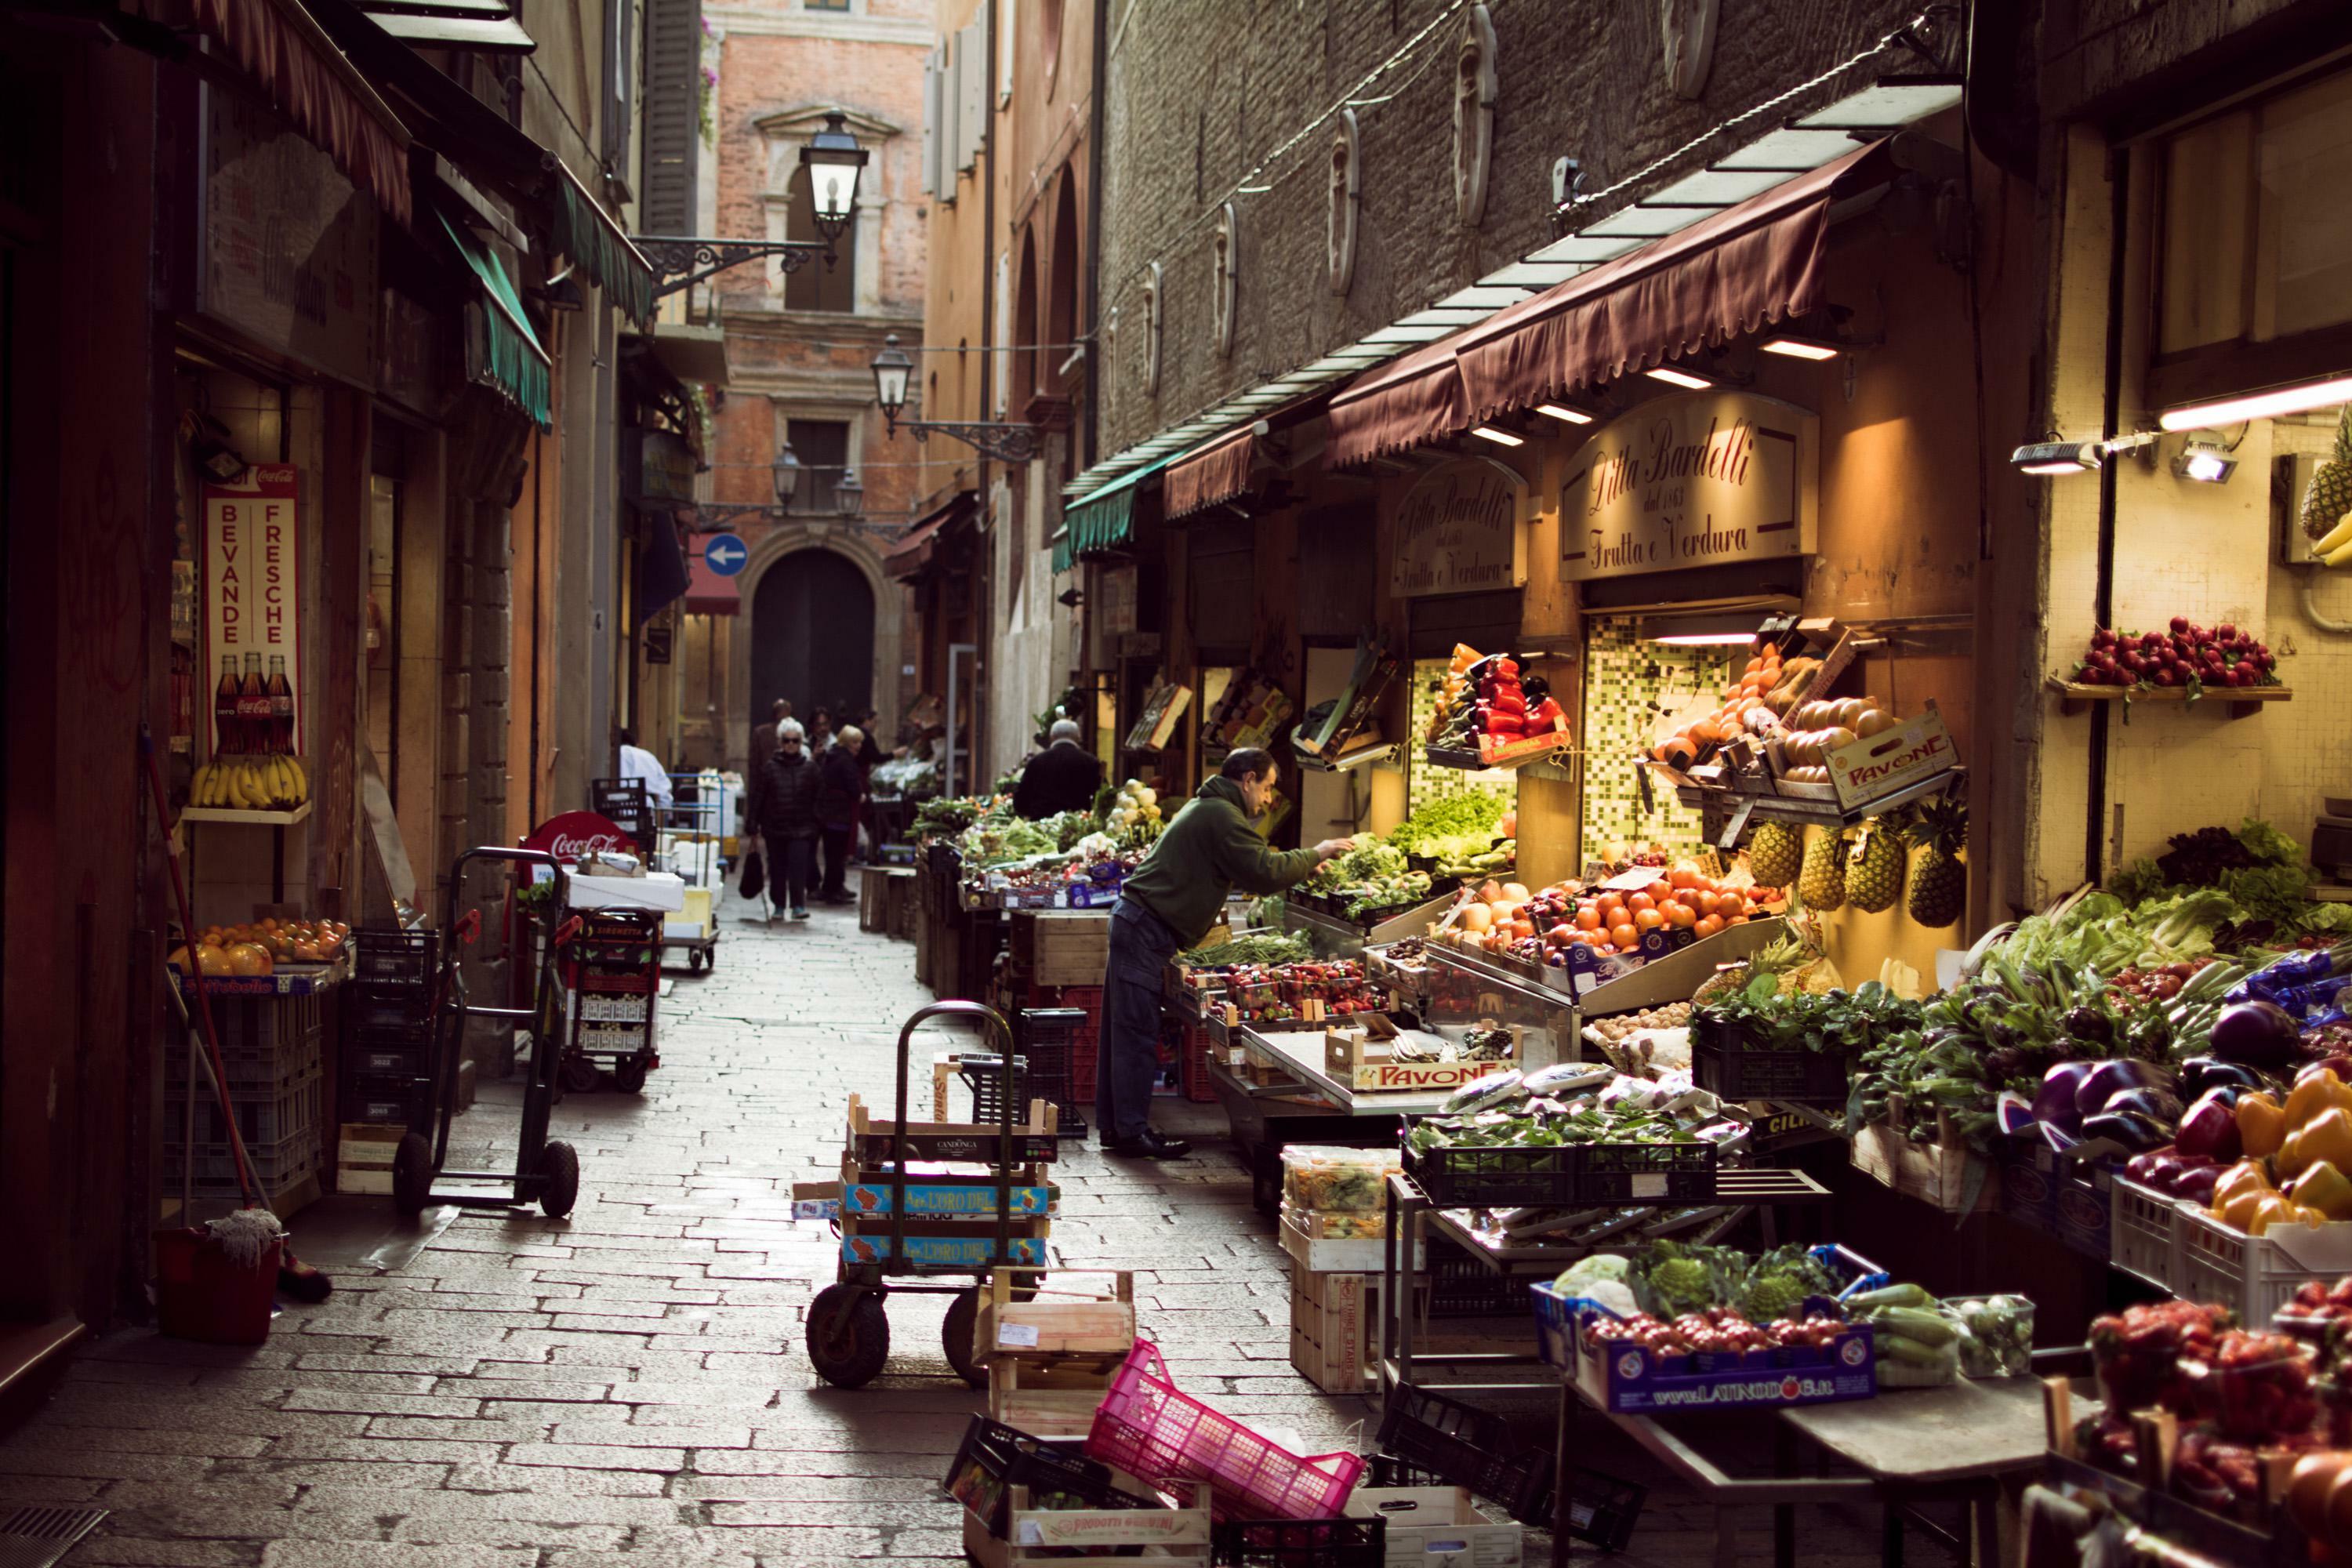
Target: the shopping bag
pixel 755 875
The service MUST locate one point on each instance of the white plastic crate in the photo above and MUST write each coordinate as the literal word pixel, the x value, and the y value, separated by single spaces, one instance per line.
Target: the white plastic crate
pixel 2255 1275
pixel 2144 1233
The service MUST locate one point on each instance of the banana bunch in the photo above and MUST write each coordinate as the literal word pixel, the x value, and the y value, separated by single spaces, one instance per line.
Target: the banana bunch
pixel 251 783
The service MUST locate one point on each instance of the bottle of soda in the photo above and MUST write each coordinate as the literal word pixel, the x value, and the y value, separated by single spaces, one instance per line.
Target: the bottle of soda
pixel 281 707
pixel 228 727
pixel 253 705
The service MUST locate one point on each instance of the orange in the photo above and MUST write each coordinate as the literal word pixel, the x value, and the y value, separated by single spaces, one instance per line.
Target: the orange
pixel 1683 876
pixel 1588 918
pixel 1707 927
pixel 1640 903
pixel 1624 935
pixel 1681 915
pixel 1648 919
pixel 1660 891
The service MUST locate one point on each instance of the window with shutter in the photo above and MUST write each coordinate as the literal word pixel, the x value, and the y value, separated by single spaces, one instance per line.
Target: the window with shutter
pixel 673 129
pixel 951 158
pixel 1006 35
pixel 620 54
pixel 931 125
pixel 972 87
pixel 822 447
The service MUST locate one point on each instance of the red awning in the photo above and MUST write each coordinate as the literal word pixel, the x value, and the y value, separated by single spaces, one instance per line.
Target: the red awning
pixel 1742 268
pixel 1217 472
pixel 915 547
pixel 320 92
pixel 708 593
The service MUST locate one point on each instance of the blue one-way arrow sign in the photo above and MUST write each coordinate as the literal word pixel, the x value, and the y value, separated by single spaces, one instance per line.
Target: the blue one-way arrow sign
pixel 725 554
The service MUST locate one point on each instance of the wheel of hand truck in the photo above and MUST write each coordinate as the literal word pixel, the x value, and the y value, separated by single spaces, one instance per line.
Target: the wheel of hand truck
pixel 694 961
pixel 629 1075
pixel 411 1174
pixel 958 1334
pixel 559 1175
pixel 847 1348
pixel 580 1072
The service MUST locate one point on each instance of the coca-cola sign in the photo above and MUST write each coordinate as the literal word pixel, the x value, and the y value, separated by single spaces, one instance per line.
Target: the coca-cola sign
pixel 1458 531
pixel 1703 480
pixel 572 834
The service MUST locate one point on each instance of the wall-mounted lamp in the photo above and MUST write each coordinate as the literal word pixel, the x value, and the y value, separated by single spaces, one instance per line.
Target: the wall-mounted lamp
pixel 2295 399
pixel 2205 462
pixel 1565 414
pixel 1069 598
pixel 2057 457
pixel 1725 629
pixel 1674 375
pixel 1499 437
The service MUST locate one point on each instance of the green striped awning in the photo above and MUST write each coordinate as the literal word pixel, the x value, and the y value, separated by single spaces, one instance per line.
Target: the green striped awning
pixel 585 233
pixel 500 347
pixel 1105 518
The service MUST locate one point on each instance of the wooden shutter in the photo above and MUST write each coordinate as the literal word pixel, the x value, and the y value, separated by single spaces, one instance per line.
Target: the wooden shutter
pixel 951 118
pixel 1006 34
pixel 931 124
pixel 673 101
pixel 971 89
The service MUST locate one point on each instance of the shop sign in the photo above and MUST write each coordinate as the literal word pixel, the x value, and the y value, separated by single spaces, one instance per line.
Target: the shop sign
pixel 571 834
pixel 1458 531
pixel 253 611
pixel 1115 593
pixel 1706 479
pixel 664 470
pixel 657 643
pixel 289 245
pixel 409 367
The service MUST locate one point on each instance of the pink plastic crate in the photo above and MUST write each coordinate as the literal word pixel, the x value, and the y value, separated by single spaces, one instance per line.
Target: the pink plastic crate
pixel 1149 1428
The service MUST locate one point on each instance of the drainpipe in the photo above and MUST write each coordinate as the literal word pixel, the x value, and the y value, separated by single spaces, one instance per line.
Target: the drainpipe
pixel 985 171
pixel 1095 161
pixel 2111 416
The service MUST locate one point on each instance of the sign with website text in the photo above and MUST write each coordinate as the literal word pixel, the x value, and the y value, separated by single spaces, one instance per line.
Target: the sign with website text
pixel 1458 531
pixel 1706 479
pixel 253 611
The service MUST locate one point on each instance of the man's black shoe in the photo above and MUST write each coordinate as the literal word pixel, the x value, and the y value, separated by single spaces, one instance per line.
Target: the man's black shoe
pixel 1151 1146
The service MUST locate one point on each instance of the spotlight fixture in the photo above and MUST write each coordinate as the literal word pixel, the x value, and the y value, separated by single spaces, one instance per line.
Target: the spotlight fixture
pixel 2205 462
pixel 1500 438
pixel 1798 346
pixel 1672 376
pixel 2226 411
pixel 1564 413
pixel 2056 458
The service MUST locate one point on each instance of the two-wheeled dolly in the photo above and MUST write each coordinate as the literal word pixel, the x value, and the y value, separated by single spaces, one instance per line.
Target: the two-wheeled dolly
pixel 848 1332
pixel 545 1173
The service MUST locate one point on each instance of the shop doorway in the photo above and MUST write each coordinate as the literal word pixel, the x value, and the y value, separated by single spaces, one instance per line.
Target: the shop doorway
pixel 812 636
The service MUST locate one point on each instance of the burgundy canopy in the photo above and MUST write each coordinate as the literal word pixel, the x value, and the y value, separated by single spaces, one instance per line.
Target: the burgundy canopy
pixel 1217 472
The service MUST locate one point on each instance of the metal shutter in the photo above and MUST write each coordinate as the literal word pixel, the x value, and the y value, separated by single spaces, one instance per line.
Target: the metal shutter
pixel 971 105
pixel 673 129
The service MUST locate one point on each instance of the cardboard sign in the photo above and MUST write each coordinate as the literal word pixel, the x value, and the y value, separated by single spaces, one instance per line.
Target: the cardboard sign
pixel 253 612
pixel 1880 765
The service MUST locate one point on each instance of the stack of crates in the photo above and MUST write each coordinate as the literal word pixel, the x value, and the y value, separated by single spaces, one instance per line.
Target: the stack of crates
pixel 387 1061
pixel 1058 1043
pixel 615 974
pixel 270 1050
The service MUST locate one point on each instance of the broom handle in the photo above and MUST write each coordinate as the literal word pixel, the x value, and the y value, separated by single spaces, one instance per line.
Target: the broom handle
pixel 244 1183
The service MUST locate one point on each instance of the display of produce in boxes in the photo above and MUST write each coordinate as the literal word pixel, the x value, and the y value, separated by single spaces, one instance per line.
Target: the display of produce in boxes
pixel 1370 878
pixel 2184 655
pixel 1607 920
pixel 1552 1137
pixel 1489 712
pixel 258 947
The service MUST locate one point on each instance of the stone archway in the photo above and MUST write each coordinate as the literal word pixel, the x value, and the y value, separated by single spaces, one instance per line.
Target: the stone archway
pixel 772 552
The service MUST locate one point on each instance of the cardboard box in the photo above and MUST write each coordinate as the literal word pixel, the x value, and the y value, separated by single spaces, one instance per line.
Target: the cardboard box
pixel 1430 1525
pixel 1334 1329
pixel 654 890
pixel 363 1154
pixel 975 1251
pixel 1879 766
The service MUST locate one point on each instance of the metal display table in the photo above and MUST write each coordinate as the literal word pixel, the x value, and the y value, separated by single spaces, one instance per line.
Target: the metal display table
pixel 1335 938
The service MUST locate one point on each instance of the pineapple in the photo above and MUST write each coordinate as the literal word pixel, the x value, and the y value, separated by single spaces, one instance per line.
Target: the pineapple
pixel 1874 879
pixel 1940 888
pixel 2330 495
pixel 1774 852
pixel 1822 881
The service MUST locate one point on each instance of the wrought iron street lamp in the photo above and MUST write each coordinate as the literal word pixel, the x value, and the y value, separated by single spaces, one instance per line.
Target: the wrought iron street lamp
pixel 833 160
pixel 893 367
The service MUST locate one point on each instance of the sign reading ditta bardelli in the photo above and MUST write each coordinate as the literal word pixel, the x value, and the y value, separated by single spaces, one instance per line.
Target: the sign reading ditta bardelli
pixel 1699 480
pixel 1458 531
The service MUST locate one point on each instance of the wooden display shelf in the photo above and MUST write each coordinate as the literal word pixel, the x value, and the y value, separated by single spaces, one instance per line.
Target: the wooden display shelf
pixel 251 818
pixel 2075 698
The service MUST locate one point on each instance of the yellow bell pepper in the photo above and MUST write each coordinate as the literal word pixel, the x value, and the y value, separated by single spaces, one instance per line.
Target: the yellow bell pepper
pixel 2326 1136
pixel 2245 1179
pixel 2261 1125
pixel 2313 1092
pixel 2322 1187
pixel 2276 1208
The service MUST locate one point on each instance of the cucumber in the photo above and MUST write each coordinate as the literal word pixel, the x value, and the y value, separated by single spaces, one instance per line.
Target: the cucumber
pixel 1912 1324
pixel 1908 1349
pixel 1886 1296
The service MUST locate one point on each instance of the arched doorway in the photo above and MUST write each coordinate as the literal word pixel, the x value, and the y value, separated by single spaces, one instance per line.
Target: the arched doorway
pixel 812 636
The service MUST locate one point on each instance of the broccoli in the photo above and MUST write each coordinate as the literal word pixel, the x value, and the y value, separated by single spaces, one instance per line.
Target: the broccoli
pixel 1678 1279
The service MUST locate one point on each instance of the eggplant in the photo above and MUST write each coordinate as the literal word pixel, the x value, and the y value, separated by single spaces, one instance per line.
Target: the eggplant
pixel 2199 1074
pixel 2128 1129
pixel 2108 1078
pixel 2157 1104
pixel 2257 1034
pixel 2053 1104
pixel 2210 1128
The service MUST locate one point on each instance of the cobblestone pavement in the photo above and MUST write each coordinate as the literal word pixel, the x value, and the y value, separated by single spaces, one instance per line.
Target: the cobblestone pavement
pixel 630 1386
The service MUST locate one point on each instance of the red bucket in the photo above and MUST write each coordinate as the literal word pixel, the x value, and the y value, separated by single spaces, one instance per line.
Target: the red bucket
pixel 201 1295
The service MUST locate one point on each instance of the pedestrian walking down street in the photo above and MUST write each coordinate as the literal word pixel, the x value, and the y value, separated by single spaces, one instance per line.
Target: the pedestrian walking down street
pixel 782 805
pixel 1064 777
pixel 841 787
pixel 1210 847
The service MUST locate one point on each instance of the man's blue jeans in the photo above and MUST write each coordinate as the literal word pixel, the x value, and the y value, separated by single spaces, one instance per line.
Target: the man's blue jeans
pixel 1128 1060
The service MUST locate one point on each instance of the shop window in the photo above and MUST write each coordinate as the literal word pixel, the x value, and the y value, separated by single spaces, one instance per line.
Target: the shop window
pixel 822 447
pixel 815 286
pixel 2256 243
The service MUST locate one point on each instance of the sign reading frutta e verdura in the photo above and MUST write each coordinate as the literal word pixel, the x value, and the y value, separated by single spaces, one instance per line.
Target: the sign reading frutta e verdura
pixel 1458 531
pixel 1703 480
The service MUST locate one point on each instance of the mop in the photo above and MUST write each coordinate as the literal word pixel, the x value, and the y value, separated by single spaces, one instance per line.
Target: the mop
pixel 245 1235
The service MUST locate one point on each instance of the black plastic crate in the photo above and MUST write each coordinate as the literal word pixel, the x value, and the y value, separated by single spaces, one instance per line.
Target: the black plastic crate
pixel 1468 1448
pixel 1602 1508
pixel 984 1076
pixel 368 1008
pixel 1568 1175
pixel 1300 1543
pixel 993 1459
pixel 385 956
pixel 389 1101
pixel 1460 1286
pixel 1051 1040
pixel 1723 1064
pixel 368 1059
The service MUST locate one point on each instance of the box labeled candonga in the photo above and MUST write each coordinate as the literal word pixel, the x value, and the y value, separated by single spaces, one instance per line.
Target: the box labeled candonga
pixel 363 1156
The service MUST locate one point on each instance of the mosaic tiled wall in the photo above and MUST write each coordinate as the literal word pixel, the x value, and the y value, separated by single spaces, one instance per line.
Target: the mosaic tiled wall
pixel 1425 783
pixel 1627 683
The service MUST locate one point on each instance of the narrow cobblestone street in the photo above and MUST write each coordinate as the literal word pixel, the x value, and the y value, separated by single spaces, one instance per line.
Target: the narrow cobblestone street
pixel 630 1386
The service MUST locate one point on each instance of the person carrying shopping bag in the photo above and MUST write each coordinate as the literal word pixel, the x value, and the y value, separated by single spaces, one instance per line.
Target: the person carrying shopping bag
pixel 782 809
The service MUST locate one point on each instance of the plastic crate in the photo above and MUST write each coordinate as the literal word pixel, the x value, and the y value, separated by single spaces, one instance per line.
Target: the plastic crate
pixel 266 1042
pixel 269 1114
pixel 389 1101
pixel 1300 1543
pixel 993 1459
pixel 1468 1448
pixel 2144 1233
pixel 1725 1066
pixel 2254 1275
pixel 984 1076
pixel 1149 1428
pixel 1459 1286
pixel 369 1010
pixel 389 958
pixel 1571 1175
pixel 275 1165
pixel 1192 1049
pixel 365 1059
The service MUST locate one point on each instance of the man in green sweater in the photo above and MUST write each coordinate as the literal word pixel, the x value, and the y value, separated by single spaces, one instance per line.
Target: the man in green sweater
pixel 1209 847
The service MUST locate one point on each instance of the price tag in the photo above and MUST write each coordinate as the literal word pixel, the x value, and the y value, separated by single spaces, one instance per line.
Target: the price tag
pixel 1016 1336
pixel 1652 1186
pixel 1729 838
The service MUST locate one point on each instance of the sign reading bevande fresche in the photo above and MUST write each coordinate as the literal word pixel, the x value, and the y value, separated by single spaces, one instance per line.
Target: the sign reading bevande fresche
pixel 1706 479
pixel 1458 531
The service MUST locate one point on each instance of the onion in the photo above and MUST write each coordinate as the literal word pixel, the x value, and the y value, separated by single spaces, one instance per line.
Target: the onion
pixel 2053 1103
pixel 2258 1034
pixel 2108 1078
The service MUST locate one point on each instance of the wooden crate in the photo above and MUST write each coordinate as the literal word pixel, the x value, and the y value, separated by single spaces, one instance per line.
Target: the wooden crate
pixel 873 900
pixel 1062 947
pixel 1060 1320
pixel 1334 1329
pixel 899 897
pixel 1049 1399
pixel 1939 1174
pixel 1161 1538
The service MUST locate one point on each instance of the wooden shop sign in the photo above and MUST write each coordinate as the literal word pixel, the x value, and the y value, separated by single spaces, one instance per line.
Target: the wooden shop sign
pixel 1458 531
pixel 1705 480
